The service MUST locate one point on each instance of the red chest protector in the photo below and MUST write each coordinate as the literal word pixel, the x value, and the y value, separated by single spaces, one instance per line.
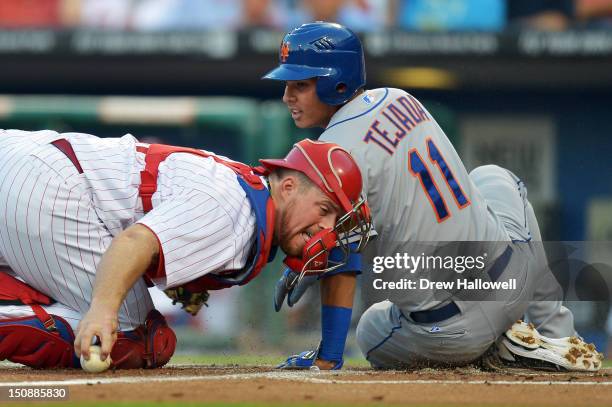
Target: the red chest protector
pixel 260 200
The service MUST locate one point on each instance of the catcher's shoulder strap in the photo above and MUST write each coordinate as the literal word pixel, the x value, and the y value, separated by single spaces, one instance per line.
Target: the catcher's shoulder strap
pixel 16 292
pixel 156 153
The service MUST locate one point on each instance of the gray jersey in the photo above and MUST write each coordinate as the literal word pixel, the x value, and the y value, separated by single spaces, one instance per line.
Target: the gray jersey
pixel 416 185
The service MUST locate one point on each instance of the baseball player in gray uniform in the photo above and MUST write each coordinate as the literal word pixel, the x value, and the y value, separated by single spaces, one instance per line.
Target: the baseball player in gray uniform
pixel 419 191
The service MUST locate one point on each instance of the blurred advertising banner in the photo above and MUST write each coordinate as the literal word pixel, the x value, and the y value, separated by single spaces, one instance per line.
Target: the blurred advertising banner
pixel 526 145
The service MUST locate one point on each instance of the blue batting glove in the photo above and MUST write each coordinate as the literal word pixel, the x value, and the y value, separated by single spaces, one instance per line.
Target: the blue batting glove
pixel 293 294
pixel 305 361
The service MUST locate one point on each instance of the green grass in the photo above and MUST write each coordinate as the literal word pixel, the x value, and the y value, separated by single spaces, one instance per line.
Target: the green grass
pixel 247 360
pixel 267 360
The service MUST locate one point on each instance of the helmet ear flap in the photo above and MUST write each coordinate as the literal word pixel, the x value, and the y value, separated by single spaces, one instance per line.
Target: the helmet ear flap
pixel 343 83
pixel 332 90
pixel 326 89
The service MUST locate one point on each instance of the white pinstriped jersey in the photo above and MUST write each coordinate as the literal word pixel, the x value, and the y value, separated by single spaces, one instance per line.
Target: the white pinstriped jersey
pixel 416 184
pixel 55 224
pixel 202 218
pixel 200 215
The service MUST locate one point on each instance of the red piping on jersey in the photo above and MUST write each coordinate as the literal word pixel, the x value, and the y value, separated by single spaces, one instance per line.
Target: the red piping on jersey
pixel 64 146
pixel 267 246
pixel 157 272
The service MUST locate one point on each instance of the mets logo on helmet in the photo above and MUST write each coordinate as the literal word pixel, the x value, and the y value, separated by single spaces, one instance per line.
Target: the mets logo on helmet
pixel 284 51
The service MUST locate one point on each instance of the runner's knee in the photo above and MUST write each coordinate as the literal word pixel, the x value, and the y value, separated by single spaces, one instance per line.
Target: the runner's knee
pixel 374 327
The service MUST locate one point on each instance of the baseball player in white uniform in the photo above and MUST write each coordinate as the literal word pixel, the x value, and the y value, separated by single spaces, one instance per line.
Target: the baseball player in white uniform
pixel 86 223
pixel 420 195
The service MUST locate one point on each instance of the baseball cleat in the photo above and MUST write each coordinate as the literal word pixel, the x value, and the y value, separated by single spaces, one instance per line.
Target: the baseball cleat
pixel 524 335
pixel 522 343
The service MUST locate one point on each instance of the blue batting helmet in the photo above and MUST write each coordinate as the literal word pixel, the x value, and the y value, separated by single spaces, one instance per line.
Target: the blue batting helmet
pixel 327 51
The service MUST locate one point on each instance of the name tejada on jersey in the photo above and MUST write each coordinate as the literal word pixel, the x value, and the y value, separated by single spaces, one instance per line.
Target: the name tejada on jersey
pixel 400 117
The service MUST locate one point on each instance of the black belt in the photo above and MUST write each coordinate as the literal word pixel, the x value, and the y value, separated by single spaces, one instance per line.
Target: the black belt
pixel 64 146
pixel 451 309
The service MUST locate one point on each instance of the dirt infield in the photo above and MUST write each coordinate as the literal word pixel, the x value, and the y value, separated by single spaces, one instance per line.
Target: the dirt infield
pixel 467 386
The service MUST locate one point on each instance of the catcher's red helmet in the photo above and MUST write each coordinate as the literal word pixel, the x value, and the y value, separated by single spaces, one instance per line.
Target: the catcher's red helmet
pixel 336 173
pixel 329 166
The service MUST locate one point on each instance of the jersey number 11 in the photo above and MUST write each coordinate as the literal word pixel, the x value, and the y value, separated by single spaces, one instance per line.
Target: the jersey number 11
pixel 418 168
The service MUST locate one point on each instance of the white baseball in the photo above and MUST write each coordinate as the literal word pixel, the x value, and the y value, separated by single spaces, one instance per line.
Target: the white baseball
pixel 95 364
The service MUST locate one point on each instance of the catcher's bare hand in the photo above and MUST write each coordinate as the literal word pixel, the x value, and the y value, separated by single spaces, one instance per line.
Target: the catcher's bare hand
pixel 97 322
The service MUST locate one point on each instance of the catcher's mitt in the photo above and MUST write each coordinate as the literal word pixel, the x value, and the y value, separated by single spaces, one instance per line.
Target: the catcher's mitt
pixel 191 302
